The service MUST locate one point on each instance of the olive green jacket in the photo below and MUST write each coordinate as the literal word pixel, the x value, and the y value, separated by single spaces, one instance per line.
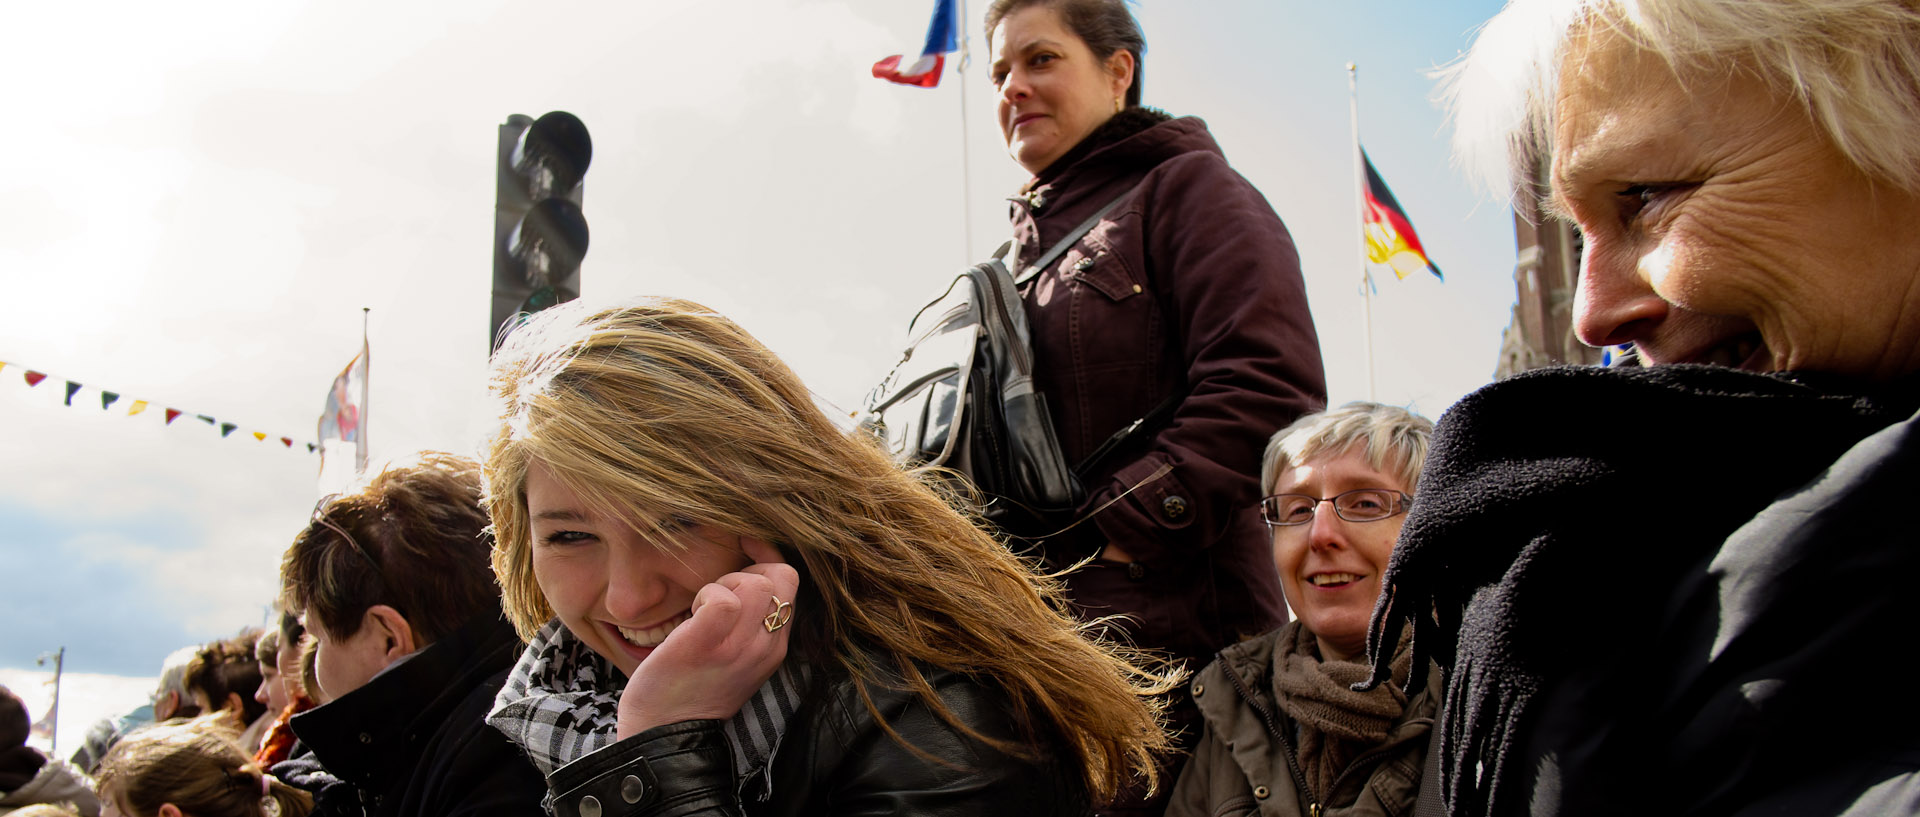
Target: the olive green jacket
pixel 1238 768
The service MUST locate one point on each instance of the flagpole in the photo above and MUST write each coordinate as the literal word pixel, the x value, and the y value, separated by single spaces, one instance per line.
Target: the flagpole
pixel 1360 189
pixel 366 364
pixel 966 164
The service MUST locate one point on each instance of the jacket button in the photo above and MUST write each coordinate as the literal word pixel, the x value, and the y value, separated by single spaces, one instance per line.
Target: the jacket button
pixel 366 738
pixel 589 806
pixel 1083 265
pixel 1174 507
pixel 632 788
pixel 1260 792
pixel 1199 689
pixel 1136 571
pixel 1038 201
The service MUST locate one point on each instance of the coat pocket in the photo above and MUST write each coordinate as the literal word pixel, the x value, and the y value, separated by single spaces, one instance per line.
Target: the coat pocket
pixel 1103 272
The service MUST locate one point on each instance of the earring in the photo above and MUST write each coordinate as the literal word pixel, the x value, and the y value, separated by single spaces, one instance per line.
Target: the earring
pixel 1117 106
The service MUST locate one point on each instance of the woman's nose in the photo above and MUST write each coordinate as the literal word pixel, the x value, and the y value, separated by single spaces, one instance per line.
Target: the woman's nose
pixel 1613 304
pixel 1327 528
pixel 1013 87
pixel 633 583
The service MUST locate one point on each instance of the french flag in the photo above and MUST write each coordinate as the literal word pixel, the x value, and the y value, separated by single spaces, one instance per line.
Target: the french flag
pixel 942 39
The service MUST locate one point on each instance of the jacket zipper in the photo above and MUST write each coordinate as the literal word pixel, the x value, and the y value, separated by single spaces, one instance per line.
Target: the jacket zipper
pixel 1286 746
pixel 1000 309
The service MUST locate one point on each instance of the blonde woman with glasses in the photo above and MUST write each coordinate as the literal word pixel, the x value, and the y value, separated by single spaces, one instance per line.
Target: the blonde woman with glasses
pixel 1285 732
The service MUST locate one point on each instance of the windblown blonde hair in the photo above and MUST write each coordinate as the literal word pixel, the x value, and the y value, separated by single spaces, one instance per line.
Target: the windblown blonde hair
pixel 664 409
pixel 1853 65
pixel 199 767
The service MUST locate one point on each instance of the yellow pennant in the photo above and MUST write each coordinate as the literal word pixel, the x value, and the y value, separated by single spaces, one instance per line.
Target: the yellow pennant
pixel 137 407
pixel 259 436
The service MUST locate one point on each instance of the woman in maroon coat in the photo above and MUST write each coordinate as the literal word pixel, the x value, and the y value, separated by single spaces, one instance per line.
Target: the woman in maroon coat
pixel 1187 293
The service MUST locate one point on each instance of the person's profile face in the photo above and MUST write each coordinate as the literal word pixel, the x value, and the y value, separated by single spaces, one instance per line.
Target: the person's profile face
pixel 273 689
pixel 343 664
pixel 1722 226
pixel 287 664
pixel 614 589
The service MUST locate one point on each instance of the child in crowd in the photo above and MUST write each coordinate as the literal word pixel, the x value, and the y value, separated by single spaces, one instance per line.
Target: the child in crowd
pixel 192 768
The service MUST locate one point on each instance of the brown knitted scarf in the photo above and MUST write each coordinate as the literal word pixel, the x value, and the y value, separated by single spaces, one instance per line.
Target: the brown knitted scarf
pixel 1336 724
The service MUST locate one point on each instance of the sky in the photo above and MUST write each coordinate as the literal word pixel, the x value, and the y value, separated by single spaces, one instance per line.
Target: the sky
pixel 204 195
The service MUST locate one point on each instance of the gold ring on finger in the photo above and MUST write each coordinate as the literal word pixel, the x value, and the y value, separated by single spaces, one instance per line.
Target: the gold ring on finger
pixel 782 613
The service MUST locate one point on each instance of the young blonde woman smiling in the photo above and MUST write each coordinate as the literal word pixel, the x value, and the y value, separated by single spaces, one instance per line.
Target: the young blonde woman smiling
pixel 732 607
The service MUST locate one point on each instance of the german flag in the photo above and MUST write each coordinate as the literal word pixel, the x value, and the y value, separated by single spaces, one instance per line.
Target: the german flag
pixel 1390 236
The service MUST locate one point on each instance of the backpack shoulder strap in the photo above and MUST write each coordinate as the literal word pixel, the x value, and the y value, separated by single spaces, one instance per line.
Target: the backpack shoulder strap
pixel 1060 247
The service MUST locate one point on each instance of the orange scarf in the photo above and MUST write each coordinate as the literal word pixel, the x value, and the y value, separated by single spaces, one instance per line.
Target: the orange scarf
pixel 279 740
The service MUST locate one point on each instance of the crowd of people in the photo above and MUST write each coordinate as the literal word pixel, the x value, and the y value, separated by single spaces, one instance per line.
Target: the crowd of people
pixel 670 585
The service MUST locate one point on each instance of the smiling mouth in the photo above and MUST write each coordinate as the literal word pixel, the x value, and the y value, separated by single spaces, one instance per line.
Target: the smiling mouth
pixel 1333 579
pixel 651 636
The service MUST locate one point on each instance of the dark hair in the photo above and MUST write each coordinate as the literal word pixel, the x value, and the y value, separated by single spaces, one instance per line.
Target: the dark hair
pixel 1104 25
pixel 228 667
pixel 15 724
pixel 413 538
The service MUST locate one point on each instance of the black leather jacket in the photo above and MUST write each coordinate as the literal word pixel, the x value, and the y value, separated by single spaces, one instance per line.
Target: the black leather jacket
pixel 834 760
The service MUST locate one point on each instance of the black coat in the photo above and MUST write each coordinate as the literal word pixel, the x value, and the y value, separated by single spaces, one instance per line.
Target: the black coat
pixel 414 739
pixel 834 760
pixel 1691 594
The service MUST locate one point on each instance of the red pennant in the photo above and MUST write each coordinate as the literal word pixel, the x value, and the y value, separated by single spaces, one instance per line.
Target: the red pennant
pixel 286 441
pixel 172 414
pixel 34 378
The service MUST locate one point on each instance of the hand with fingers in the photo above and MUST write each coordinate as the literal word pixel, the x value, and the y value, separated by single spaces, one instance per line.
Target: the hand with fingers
pixel 711 664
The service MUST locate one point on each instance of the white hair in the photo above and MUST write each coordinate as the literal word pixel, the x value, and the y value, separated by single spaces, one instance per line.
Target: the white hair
pixel 1854 66
pixel 173 672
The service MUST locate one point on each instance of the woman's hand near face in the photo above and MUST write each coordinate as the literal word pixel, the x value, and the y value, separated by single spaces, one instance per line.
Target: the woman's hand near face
pixel 710 665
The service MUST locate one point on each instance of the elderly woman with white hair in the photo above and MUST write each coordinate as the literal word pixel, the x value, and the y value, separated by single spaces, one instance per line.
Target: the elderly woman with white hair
pixel 1675 586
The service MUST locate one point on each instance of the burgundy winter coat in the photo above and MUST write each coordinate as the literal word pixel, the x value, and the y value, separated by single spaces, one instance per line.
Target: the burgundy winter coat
pixel 1191 286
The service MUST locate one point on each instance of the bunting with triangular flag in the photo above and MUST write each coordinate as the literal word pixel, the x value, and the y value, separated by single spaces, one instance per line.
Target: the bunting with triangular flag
pixel 135 407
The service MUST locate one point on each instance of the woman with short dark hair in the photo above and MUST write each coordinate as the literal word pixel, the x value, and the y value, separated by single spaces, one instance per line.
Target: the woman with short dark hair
pixel 1184 305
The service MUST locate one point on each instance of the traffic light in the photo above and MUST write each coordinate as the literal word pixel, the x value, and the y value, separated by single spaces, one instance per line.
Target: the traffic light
pixel 539 233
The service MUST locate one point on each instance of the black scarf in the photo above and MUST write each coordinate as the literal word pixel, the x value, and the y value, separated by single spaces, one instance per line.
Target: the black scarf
pixel 1557 516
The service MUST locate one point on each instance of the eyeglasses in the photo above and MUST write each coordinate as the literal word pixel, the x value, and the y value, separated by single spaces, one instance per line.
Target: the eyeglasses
pixel 1362 505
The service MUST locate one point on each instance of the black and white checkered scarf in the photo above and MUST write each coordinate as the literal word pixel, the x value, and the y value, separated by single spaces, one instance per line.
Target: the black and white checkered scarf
pixel 562 699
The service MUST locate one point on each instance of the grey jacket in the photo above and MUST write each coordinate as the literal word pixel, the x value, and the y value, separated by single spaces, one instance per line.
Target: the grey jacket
pixel 1240 769
pixel 56 782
